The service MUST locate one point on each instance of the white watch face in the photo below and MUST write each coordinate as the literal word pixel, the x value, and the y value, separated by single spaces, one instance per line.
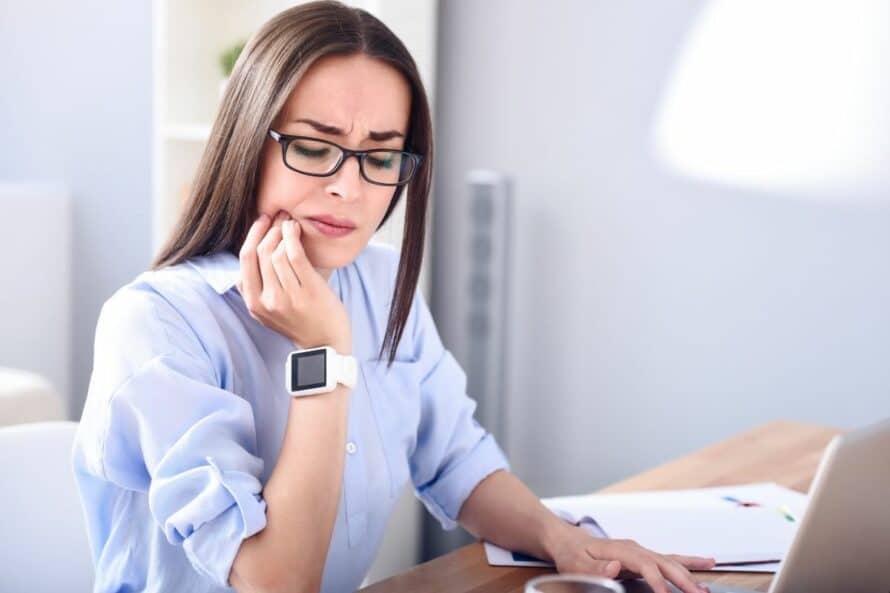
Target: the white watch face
pixel 308 369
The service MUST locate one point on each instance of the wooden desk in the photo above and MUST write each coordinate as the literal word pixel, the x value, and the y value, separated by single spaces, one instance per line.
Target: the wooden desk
pixel 787 453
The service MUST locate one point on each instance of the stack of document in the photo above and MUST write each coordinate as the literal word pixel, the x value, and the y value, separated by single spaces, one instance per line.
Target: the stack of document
pixel 744 528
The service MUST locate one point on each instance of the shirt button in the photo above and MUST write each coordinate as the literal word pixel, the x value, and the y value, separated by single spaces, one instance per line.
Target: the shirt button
pixel 350 447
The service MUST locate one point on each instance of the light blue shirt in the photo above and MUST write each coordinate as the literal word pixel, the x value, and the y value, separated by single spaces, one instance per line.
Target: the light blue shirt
pixel 186 412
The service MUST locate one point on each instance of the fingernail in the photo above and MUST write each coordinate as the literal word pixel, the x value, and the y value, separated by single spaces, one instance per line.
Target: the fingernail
pixel 264 217
pixel 703 588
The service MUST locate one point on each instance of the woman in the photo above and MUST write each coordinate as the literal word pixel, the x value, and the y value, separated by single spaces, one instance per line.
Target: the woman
pixel 197 468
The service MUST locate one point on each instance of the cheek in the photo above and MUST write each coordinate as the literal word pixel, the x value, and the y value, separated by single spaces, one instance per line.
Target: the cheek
pixel 279 188
pixel 282 190
pixel 378 204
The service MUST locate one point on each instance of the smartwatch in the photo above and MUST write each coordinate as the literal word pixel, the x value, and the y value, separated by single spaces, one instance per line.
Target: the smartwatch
pixel 318 370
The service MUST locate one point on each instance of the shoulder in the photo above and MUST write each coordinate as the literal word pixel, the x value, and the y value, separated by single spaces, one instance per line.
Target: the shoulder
pixel 157 313
pixel 138 331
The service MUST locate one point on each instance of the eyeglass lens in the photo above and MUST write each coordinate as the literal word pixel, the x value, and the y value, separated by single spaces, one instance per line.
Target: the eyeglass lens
pixel 320 158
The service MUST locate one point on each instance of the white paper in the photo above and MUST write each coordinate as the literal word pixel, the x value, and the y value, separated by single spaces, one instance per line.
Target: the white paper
pixel 698 522
pixel 765 567
pixel 729 535
pixel 767 494
pixel 498 556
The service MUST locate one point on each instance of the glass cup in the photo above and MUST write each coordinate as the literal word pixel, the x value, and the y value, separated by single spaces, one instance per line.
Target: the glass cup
pixel 572 583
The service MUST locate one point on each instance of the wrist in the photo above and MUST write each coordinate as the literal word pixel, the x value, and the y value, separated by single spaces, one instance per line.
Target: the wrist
pixel 553 535
pixel 341 346
pixel 319 369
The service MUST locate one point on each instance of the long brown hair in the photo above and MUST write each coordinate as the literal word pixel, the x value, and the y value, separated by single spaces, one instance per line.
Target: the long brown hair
pixel 222 201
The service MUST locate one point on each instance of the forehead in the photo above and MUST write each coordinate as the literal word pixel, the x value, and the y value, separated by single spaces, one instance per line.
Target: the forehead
pixel 352 90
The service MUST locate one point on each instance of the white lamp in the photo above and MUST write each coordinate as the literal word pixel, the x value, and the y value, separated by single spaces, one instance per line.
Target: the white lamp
pixel 784 95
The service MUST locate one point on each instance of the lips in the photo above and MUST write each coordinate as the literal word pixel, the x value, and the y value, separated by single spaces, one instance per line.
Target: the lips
pixel 329 230
pixel 334 221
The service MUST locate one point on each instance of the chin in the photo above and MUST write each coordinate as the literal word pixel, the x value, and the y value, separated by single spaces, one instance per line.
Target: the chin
pixel 329 257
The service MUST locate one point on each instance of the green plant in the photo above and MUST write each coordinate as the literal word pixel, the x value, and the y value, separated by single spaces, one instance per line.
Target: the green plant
pixel 229 57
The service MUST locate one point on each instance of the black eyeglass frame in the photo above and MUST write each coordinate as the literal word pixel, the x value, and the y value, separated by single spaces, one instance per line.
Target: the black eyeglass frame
pixel 345 153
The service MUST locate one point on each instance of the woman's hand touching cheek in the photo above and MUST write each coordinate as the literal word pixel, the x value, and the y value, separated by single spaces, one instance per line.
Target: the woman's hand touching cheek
pixel 283 291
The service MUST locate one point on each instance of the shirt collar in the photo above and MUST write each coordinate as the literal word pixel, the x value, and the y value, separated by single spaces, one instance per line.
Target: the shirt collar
pixel 220 270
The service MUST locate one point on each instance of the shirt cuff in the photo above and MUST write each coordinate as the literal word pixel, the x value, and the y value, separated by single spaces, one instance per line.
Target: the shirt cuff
pixel 445 496
pixel 212 548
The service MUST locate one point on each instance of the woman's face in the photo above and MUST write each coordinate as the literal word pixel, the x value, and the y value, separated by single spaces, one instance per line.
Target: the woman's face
pixel 350 100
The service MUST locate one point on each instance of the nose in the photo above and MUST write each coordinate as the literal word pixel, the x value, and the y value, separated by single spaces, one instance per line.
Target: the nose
pixel 347 181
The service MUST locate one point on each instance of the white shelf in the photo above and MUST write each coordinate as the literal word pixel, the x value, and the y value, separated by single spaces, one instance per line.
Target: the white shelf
pixel 187 132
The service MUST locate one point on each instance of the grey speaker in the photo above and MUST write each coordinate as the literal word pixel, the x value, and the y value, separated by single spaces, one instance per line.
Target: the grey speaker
pixel 484 299
pixel 488 218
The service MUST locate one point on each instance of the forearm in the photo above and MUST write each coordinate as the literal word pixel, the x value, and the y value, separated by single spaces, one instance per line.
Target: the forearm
pixel 301 496
pixel 502 510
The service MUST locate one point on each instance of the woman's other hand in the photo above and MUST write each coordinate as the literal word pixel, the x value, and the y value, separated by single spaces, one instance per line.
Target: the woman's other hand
pixel 283 291
pixel 577 551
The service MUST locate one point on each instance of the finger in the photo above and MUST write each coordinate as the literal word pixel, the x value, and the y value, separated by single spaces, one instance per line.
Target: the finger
pixel 296 254
pixel 264 254
pixel 251 282
pixel 693 562
pixel 678 575
pixel 597 550
pixel 606 568
pixel 627 574
pixel 279 218
pixel 277 221
pixel 282 266
pixel 650 572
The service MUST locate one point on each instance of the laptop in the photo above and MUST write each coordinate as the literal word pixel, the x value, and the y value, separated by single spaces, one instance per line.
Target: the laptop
pixel 843 542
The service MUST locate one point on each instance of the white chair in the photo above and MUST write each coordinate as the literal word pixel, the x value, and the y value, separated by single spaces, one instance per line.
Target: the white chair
pixel 44 548
pixel 26 396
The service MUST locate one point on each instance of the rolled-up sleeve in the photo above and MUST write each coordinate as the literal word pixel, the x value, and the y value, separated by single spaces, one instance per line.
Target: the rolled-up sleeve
pixel 170 431
pixel 453 452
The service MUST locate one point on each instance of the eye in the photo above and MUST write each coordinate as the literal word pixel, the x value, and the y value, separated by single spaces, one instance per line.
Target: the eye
pixel 382 160
pixel 310 149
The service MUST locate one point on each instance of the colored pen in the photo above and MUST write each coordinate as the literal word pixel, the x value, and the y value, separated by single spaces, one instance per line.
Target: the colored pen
pixel 786 512
pixel 741 503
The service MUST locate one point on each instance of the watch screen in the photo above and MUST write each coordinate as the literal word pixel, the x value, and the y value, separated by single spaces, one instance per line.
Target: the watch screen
pixel 307 369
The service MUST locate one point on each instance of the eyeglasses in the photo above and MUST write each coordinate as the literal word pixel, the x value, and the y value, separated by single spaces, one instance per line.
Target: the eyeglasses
pixel 320 158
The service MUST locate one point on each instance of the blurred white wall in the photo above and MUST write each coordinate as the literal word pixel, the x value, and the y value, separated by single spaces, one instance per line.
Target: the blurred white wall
pixel 35 300
pixel 76 110
pixel 652 314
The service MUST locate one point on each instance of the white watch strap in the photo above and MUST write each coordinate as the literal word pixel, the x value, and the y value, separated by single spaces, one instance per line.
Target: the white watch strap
pixel 347 370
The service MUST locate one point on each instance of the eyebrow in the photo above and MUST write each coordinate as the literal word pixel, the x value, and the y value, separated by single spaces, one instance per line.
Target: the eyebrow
pixel 326 129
